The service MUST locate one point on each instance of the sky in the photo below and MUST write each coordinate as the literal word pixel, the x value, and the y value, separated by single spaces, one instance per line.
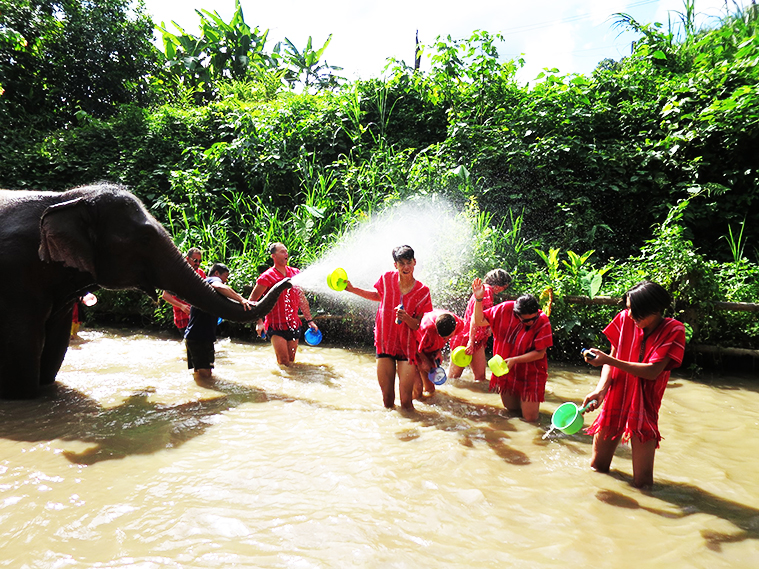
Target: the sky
pixel 570 35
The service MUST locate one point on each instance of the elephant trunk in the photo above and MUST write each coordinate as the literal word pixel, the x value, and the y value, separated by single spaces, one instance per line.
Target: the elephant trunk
pixel 177 277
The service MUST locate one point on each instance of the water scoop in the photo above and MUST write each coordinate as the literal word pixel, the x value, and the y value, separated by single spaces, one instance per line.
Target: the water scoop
pixel 568 418
pixel 460 358
pixel 337 279
pixel 498 366
pixel 437 375
pixel 313 337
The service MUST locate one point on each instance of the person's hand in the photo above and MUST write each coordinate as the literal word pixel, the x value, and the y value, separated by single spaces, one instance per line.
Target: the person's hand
pixel 400 314
pixel 260 328
pixel 185 308
pixel 313 326
pixel 593 400
pixel 478 289
pixel 595 357
pixel 349 287
pixel 469 350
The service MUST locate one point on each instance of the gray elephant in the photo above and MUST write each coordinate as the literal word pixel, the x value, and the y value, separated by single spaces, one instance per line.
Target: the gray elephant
pixel 54 246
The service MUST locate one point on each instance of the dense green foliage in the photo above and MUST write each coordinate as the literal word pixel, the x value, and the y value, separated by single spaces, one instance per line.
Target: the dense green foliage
pixel 646 169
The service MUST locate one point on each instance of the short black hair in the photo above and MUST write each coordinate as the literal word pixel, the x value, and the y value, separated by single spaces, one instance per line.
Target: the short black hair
pixel 271 248
pixel 445 324
pixel 403 252
pixel 526 304
pixel 647 298
pixel 218 268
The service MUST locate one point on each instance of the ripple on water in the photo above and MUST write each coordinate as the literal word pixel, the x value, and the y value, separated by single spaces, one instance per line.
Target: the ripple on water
pixel 128 461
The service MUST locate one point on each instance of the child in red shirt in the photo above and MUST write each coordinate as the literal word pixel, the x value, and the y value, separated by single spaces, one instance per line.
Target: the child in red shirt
pixel 403 301
pixel 496 281
pixel 645 347
pixel 436 328
pixel 521 336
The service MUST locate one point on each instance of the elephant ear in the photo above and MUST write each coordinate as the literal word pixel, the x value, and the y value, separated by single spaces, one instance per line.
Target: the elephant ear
pixel 67 236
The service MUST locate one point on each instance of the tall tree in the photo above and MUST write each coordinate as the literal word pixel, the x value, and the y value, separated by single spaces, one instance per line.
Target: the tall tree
pixel 62 57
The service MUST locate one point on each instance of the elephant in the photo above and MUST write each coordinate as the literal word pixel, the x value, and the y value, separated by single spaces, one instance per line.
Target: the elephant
pixel 55 246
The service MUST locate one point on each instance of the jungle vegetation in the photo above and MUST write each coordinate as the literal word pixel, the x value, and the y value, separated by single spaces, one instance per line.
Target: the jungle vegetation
pixel 646 168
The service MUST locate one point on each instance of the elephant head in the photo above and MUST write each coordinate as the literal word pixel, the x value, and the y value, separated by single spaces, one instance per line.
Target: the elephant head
pixel 106 233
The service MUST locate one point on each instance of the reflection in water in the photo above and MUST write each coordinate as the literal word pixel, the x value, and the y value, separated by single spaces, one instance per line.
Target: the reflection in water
pixel 127 462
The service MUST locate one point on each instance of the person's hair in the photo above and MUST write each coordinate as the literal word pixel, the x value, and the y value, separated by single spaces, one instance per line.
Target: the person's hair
pixel 526 304
pixel 193 251
pixel 271 248
pixel 647 298
pixel 445 324
pixel 498 277
pixel 218 268
pixel 403 252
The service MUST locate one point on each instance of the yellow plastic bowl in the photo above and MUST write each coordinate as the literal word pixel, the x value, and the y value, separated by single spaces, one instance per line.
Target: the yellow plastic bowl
pixel 459 357
pixel 498 366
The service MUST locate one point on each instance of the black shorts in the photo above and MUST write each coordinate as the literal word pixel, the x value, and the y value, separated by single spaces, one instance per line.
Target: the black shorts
pixel 200 355
pixel 396 358
pixel 289 335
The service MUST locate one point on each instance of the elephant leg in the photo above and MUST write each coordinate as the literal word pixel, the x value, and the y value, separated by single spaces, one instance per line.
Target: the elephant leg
pixel 20 351
pixel 57 336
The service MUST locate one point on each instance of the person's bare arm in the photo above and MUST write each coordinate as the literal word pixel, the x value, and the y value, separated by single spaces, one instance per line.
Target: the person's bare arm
pixel 363 293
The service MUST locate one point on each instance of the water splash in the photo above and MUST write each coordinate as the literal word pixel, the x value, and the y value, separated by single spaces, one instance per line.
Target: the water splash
pixel 441 236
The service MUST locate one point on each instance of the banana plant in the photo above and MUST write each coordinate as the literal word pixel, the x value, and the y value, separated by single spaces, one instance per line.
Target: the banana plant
pixel 307 63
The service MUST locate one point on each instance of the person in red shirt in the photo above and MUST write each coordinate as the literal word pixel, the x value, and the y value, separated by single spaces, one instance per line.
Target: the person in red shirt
pixel 435 329
pixel 282 324
pixel 645 347
pixel 496 281
pixel 181 308
pixel 402 302
pixel 521 336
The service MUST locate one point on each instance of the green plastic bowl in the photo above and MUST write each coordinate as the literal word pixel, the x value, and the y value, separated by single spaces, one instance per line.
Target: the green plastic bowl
pixel 568 418
pixel 498 366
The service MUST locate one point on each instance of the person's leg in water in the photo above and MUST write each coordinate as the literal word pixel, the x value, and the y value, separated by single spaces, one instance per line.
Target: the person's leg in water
pixel 408 375
pixel 284 348
pixel 386 379
pixel 605 443
pixel 643 462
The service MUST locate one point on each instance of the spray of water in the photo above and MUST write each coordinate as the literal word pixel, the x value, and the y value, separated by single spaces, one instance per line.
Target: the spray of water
pixel 441 236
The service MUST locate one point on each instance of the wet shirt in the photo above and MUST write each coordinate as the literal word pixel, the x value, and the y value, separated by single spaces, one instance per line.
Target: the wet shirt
pixel 284 315
pixel 631 406
pixel 481 333
pixel 511 338
pixel 427 336
pixel 398 339
pixel 201 326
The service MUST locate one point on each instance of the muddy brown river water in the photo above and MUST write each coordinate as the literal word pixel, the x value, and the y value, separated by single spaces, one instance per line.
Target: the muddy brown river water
pixel 128 463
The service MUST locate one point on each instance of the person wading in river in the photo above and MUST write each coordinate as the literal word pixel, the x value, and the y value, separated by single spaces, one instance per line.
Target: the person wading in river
pixel 645 347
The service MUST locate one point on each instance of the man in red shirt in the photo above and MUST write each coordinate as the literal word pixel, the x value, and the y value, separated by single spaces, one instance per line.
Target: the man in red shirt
pixel 181 308
pixel 402 302
pixel 282 324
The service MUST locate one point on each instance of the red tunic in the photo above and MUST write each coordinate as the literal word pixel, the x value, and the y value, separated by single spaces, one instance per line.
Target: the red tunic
pixel 284 315
pixel 510 339
pixel 631 406
pixel 398 340
pixel 429 340
pixel 481 333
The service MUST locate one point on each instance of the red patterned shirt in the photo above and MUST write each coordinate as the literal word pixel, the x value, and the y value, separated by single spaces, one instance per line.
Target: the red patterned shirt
pixel 284 315
pixel 512 338
pixel 427 336
pixel 398 339
pixel 631 406
pixel 481 333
